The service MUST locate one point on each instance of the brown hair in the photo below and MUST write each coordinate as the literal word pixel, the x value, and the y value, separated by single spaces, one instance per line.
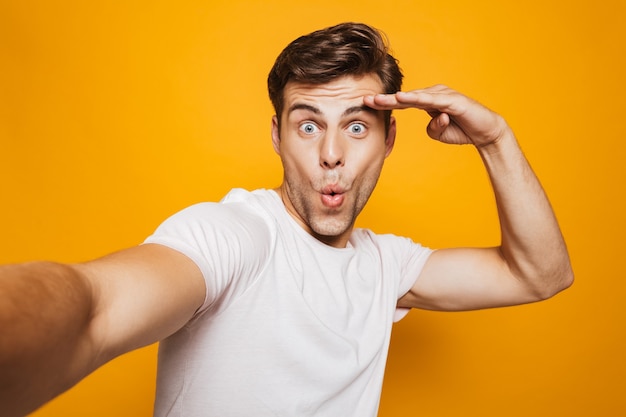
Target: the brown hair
pixel 324 55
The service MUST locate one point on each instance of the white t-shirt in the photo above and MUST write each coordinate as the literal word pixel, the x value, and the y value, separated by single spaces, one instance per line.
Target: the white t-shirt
pixel 290 326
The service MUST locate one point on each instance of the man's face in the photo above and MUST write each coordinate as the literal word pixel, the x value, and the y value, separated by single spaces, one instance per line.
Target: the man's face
pixel 332 148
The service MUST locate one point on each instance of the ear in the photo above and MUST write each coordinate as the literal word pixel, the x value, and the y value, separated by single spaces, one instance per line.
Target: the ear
pixel 275 135
pixel 390 140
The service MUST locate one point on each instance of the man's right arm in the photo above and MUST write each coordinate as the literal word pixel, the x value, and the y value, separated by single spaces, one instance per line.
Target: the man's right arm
pixel 60 322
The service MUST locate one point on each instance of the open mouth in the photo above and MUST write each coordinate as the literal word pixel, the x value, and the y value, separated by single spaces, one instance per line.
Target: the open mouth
pixel 332 190
pixel 332 196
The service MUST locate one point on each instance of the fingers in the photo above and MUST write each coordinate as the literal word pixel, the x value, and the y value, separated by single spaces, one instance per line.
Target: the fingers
pixel 434 100
pixel 439 101
pixel 456 118
pixel 384 102
pixel 438 125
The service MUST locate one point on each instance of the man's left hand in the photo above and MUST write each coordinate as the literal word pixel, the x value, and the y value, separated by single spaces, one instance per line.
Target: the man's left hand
pixel 456 118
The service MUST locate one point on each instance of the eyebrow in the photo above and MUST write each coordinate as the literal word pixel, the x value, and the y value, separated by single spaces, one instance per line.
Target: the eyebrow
pixel 347 112
pixel 358 109
pixel 302 106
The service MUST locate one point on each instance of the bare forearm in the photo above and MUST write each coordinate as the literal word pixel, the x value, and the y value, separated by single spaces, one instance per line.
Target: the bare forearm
pixel 532 243
pixel 45 309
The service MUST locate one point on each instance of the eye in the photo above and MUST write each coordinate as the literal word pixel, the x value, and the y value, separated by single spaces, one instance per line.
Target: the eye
pixel 357 128
pixel 308 128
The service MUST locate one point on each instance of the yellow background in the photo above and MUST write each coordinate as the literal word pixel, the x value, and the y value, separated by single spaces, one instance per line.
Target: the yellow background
pixel 115 114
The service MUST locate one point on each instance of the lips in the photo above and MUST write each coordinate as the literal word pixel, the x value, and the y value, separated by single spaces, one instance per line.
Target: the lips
pixel 332 196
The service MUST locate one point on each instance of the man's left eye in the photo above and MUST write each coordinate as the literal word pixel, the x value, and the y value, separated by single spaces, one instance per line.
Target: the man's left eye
pixel 357 128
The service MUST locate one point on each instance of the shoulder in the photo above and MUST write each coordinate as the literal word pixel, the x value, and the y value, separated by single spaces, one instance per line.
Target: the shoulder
pixel 402 252
pixel 388 244
pixel 230 241
pixel 212 233
pixel 239 211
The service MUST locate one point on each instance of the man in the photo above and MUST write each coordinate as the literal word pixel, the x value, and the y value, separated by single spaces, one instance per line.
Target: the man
pixel 271 302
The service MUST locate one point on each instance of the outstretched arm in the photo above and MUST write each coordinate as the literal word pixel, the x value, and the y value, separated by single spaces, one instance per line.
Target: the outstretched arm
pixel 60 322
pixel 531 262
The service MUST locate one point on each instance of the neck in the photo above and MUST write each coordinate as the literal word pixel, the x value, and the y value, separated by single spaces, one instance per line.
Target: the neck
pixel 338 241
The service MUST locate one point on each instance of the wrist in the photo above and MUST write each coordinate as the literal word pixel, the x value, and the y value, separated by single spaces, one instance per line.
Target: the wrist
pixel 505 142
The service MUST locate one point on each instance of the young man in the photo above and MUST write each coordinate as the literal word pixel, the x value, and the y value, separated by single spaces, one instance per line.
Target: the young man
pixel 270 302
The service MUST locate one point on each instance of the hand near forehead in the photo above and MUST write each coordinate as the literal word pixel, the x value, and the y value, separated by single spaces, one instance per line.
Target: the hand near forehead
pixel 456 119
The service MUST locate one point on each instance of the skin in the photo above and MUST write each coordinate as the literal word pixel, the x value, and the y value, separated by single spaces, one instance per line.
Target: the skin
pixel 321 154
pixel 531 263
pixel 67 320
pixel 332 148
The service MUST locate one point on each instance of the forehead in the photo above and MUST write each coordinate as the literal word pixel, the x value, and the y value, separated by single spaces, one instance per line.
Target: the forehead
pixel 340 93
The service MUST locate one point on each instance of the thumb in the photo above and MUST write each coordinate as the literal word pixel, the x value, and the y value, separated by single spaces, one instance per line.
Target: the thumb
pixel 438 125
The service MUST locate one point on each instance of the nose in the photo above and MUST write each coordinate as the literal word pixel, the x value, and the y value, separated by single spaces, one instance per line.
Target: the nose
pixel 332 152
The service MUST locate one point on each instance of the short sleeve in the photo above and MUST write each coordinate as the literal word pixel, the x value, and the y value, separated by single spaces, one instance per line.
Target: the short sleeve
pixel 411 258
pixel 229 242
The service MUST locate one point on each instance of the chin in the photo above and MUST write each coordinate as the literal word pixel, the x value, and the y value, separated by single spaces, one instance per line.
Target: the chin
pixel 330 229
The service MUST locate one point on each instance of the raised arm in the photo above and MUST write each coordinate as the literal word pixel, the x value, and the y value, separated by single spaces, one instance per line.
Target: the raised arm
pixel 531 262
pixel 60 322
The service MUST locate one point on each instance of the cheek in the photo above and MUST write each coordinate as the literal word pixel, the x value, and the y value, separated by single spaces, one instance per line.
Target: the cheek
pixel 372 160
pixel 373 171
pixel 295 163
pixel 369 174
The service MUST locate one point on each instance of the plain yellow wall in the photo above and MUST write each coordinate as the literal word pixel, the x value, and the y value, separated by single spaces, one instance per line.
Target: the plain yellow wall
pixel 114 115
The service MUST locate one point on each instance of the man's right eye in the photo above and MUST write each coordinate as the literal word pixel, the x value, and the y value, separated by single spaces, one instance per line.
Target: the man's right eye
pixel 308 128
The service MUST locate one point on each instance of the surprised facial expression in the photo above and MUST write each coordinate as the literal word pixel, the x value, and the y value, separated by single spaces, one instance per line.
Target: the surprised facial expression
pixel 332 148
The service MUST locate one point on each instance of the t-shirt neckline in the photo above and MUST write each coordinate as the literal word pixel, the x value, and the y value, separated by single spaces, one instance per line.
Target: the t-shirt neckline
pixel 300 230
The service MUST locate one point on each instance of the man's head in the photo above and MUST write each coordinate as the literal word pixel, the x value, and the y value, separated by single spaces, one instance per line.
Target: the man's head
pixel 332 146
pixel 320 57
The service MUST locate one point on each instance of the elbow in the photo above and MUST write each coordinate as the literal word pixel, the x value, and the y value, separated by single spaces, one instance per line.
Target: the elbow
pixel 553 283
pixel 568 279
